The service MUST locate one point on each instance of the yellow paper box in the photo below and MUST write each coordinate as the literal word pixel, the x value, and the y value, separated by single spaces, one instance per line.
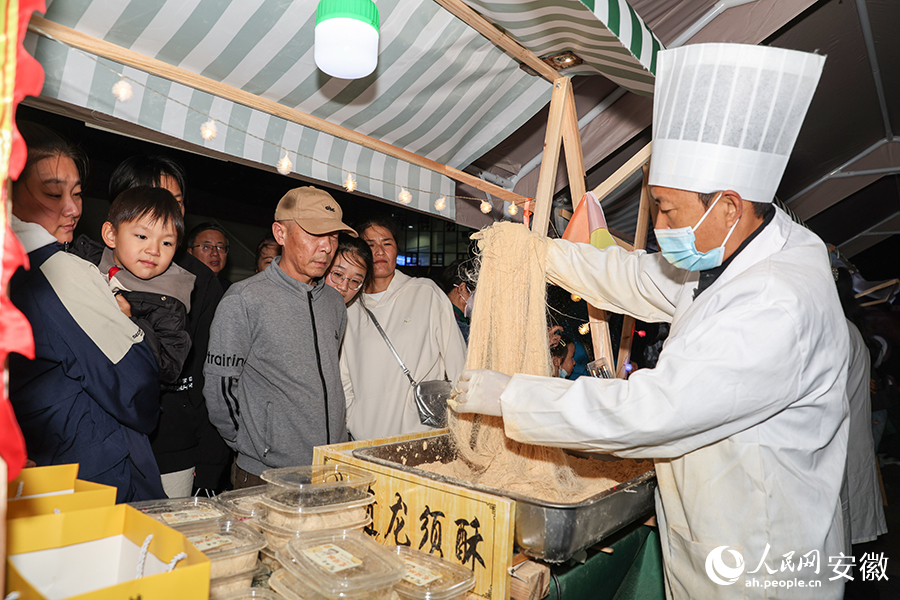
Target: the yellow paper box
pixel 94 555
pixel 42 490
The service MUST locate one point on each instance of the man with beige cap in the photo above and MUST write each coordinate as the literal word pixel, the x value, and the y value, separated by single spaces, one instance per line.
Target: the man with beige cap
pixel 273 384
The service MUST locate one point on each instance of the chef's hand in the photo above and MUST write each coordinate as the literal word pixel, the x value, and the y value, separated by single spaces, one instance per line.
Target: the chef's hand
pixel 478 391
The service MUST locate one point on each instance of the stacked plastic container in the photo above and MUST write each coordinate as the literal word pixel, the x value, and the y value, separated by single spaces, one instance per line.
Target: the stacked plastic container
pixel 300 500
pixel 430 577
pixel 245 504
pixel 178 512
pixel 351 566
pixel 232 546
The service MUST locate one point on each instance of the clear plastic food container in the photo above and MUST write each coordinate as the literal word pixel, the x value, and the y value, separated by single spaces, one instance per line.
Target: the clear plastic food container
pixel 179 512
pixel 222 586
pixel 245 504
pixel 231 547
pixel 277 537
pixel 269 558
pixel 308 518
pixel 430 577
pixel 289 587
pixel 254 593
pixel 345 565
pixel 317 485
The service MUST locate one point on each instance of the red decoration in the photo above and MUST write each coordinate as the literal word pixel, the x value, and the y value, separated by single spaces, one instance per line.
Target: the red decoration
pixel 29 82
pixel 15 331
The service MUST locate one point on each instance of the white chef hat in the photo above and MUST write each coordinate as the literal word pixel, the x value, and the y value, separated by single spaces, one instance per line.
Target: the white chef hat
pixel 726 116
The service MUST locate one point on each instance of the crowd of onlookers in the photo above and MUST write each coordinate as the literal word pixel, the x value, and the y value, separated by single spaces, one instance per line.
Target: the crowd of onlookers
pixel 160 377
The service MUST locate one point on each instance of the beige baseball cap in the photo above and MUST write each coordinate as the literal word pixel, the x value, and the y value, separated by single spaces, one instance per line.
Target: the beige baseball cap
pixel 314 210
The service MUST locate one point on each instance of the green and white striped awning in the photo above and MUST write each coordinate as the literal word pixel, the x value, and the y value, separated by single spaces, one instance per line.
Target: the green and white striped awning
pixel 441 90
pixel 607 34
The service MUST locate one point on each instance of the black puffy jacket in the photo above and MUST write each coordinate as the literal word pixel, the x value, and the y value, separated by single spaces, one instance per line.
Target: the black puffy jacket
pixel 161 315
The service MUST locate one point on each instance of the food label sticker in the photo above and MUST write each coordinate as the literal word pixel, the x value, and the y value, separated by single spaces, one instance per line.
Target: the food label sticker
pixel 332 558
pixel 417 574
pixel 190 514
pixel 208 541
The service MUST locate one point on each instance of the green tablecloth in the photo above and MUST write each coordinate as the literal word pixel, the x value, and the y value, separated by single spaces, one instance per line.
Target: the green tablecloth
pixel 632 572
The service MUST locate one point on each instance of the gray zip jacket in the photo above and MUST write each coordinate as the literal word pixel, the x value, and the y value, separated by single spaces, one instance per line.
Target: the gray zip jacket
pixel 273 385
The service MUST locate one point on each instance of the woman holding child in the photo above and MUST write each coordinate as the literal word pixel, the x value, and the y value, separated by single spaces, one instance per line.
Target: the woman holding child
pixel 90 395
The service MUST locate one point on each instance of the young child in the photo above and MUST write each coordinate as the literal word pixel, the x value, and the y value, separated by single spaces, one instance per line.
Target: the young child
pixel 142 231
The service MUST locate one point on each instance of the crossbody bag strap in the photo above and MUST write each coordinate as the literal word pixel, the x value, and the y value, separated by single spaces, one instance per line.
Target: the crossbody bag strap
pixel 406 372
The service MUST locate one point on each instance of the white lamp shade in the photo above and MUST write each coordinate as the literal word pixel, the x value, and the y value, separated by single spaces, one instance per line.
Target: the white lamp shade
pixel 346 48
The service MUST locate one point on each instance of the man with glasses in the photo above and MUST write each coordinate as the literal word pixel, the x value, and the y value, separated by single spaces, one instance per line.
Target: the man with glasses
pixel 208 243
pixel 273 384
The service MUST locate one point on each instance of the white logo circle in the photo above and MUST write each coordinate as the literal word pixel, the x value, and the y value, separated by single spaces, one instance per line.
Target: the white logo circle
pixel 721 573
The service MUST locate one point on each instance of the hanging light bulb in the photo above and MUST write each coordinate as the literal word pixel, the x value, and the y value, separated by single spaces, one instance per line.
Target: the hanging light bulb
pixel 584 328
pixel 440 203
pixel 350 182
pixel 576 298
pixel 512 210
pixel 284 165
pixel 122 90
pixel 486 207
pixel 209 131
pixel 346 40
pixel 405 197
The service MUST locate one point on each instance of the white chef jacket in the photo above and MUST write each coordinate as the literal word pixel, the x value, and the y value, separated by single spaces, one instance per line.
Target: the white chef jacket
pixel 745 413
pixel 866 511
pixel 418 319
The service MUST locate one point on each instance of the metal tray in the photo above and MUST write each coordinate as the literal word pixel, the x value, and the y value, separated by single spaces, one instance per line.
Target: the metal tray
pixel 547 530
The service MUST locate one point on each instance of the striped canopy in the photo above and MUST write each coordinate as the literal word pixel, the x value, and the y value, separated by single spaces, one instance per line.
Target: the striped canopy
pixel 607 34
pixel 441 90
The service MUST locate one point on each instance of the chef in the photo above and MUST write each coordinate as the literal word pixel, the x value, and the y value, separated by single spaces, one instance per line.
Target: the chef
pixel 745 414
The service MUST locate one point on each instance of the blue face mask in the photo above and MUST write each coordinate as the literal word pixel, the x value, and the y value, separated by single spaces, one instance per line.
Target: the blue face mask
pixel 678 247
pixel 563 373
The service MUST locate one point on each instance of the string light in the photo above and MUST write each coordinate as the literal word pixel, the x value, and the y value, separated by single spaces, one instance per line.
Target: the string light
pixel 285 166
pixel 122 90
pixel 209 131
pixel 576 298
pixel 584 328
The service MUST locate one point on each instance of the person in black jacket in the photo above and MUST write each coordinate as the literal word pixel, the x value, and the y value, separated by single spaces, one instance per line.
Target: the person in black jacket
pixel 188 449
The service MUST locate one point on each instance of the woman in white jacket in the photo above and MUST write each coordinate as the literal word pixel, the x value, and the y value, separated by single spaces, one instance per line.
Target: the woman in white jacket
pixel 418 319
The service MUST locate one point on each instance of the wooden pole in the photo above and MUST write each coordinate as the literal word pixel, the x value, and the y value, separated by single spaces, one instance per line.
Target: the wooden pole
pixel 598 319
pixel 623 173
pixel 640 242
pixel 574 155
pixel 511 47
pixel 562 128
pixel 92 45
pixel 543 198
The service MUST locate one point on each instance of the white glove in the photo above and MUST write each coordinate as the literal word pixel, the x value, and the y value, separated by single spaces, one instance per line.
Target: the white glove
pixel 478 391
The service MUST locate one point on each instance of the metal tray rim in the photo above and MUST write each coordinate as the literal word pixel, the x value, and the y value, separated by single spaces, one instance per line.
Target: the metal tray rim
pixel 621 488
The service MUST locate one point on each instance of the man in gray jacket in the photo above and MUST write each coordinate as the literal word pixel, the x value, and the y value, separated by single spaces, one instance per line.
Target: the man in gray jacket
pixel 273 384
